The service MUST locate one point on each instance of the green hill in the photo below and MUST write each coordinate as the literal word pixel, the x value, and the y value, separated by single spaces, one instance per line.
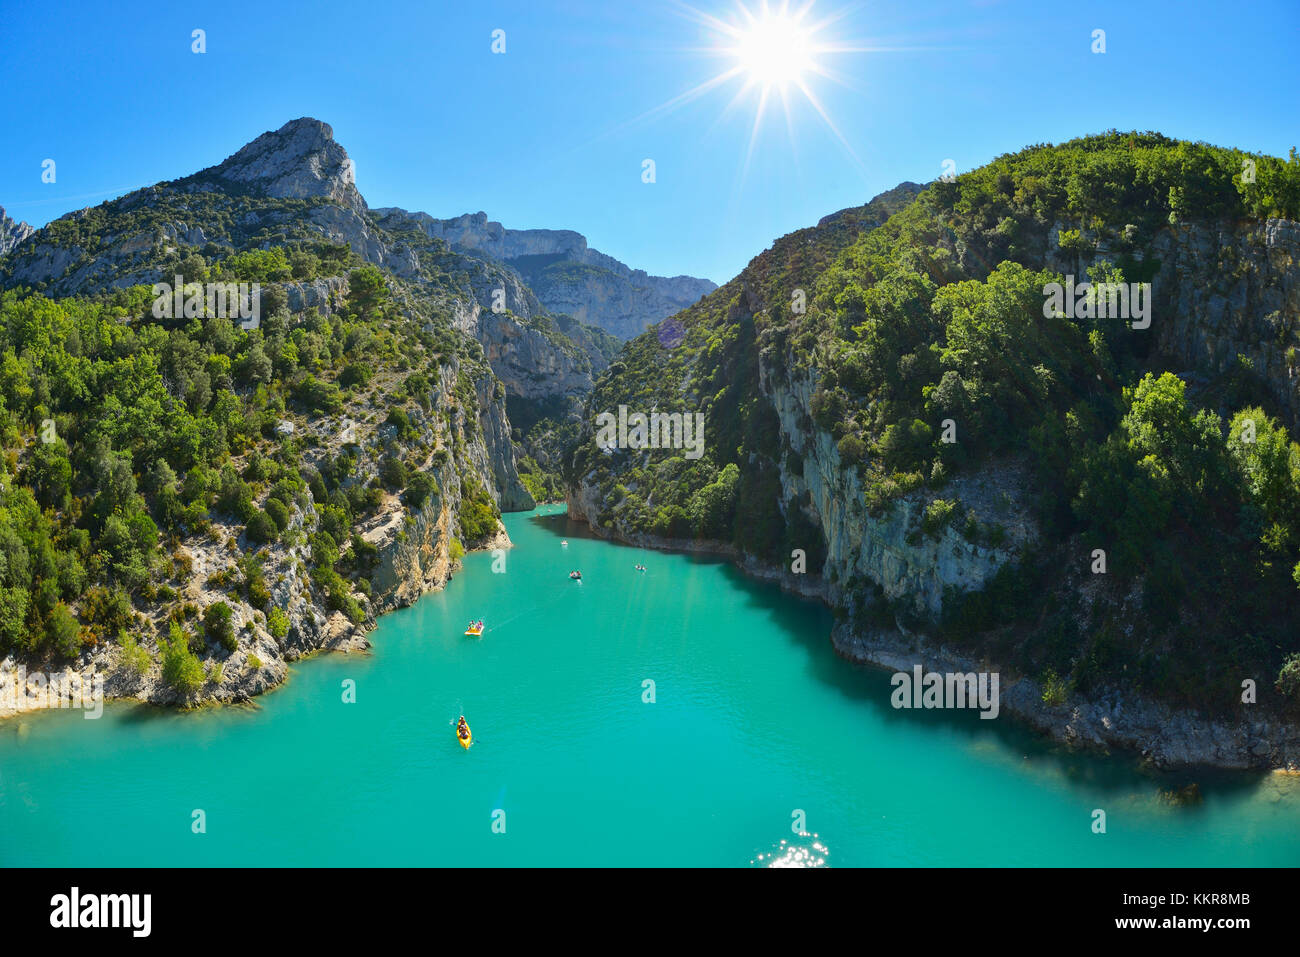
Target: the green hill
pixel 952 454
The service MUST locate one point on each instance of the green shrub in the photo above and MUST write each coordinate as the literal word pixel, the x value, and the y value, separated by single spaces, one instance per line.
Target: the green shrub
pixel 938 515
pixel 1288 681
pixel 1054 689
pixel 217 626
pixel 180 668
pixel 261 528
pixel 418 489
pixel 392 473
pixel 852 450
pixel 277 623
pixel 278 513
pixel 62 631
pixel 133 657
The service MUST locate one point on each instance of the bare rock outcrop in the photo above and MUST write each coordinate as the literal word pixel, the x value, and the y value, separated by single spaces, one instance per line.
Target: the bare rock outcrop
pixel 298 160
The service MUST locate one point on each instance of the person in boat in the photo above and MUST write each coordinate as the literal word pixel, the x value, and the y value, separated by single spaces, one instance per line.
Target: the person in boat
pixel 479 626
pixel 462 729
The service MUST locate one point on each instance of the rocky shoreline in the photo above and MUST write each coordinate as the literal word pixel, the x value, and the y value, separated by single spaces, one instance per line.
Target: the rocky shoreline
pixel 1115 722
pixel 27 687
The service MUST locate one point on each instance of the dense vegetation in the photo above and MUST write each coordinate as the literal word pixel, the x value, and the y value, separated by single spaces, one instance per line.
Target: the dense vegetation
pixel 1192 488
pixel 125 435
pixel 137 446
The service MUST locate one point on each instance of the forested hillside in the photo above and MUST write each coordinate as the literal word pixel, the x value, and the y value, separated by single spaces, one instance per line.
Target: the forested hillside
pixel 1079 496
pixel 189 498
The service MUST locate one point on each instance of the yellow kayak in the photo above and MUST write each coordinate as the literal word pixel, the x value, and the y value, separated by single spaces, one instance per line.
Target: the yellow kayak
pixel 466 741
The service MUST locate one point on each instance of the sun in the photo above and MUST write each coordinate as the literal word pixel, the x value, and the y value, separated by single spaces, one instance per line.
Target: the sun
pixel 774 50
pixel 770 51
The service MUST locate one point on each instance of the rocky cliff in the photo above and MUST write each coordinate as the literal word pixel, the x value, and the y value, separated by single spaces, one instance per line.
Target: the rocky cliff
pixel 11 233
pixel 415 547
pixel 426 401
pixel 1224 293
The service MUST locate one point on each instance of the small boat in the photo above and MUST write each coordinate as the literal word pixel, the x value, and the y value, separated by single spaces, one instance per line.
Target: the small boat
pixel 564 544
pixel 576 576
pixel 475 630
pixel 467 738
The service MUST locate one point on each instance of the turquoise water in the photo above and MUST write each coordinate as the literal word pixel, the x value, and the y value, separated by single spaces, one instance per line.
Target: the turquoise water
pixel 754 719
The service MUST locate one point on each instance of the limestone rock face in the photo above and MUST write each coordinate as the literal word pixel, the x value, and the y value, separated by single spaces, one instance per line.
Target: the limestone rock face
pixel 11 233
pixel 324 294
pixel 1225 292
pixel 414 544
pixel 890 550
pixel 298 160
pixel 527 362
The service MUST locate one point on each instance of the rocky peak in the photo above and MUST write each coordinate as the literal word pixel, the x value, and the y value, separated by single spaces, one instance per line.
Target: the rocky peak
pixel 11 233
pixel 298 160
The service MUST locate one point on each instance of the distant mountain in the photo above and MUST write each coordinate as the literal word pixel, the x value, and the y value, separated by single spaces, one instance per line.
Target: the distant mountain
pixel 567 275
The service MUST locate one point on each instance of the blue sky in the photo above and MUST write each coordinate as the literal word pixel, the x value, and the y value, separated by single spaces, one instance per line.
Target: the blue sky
pixel 553 133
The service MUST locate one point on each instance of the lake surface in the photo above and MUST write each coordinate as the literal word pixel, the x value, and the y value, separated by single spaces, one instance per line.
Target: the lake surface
pixel 754 718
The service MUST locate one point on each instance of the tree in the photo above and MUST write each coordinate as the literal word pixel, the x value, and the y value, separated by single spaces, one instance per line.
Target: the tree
pixel 217 626
pixel 393 473
pixel 1268 462
pixel 367 291
pixel 261 528
pixel 62 631
pixel 180 668
pixel 419 488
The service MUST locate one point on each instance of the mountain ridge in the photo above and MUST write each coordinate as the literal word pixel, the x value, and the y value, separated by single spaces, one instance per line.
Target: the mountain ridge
pixel 636 300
